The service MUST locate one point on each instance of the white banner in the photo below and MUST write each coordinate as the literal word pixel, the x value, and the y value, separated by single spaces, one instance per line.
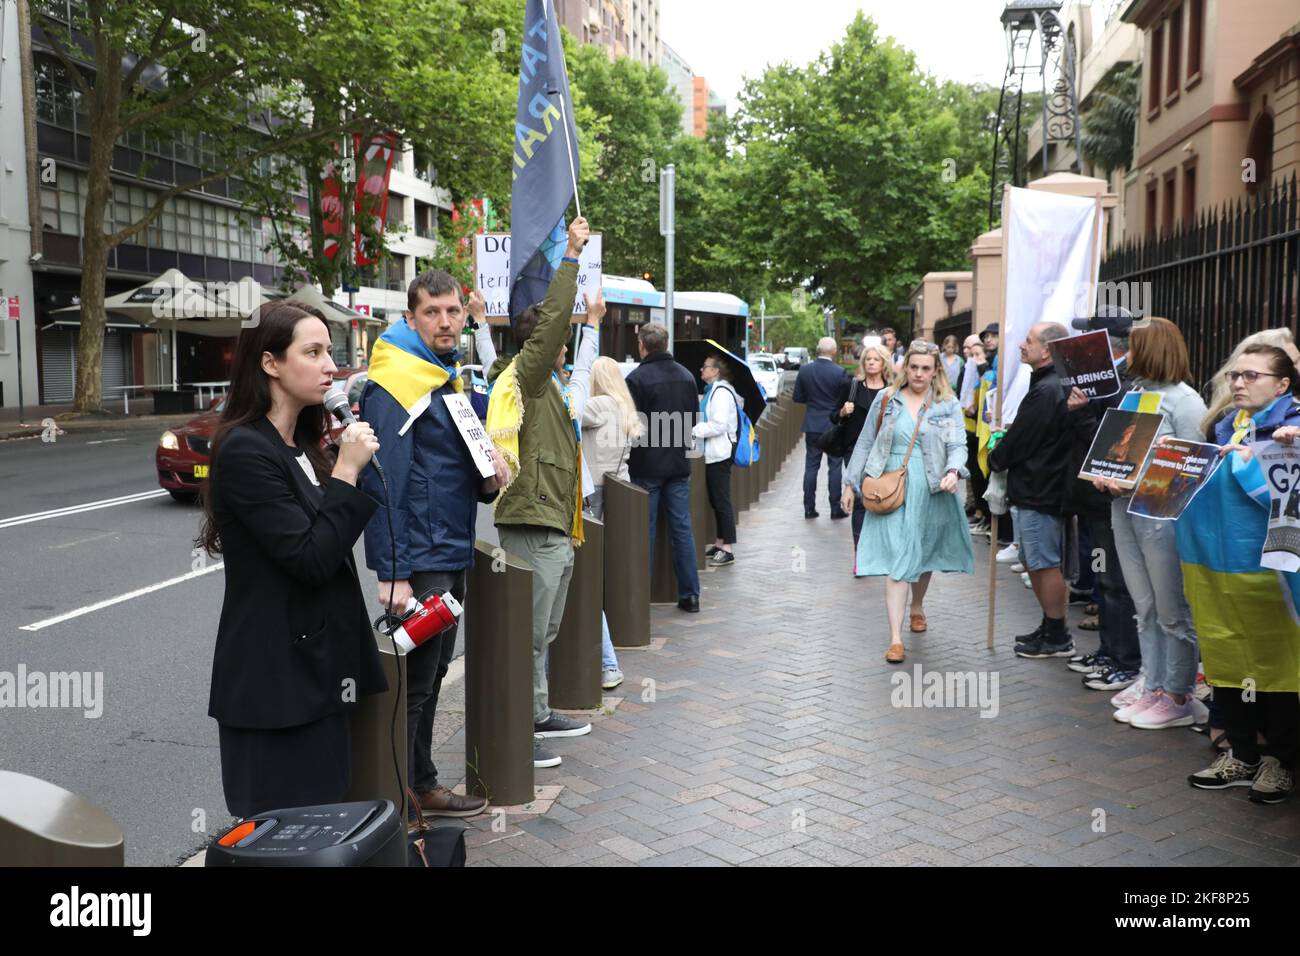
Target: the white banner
pixel 1051 267
pixel 492 271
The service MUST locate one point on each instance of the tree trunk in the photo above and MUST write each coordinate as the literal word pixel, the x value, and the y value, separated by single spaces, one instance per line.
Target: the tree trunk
pixel 105 104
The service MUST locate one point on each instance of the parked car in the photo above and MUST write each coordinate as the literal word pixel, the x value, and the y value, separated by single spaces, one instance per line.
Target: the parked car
pixel 768 374
pixel 796 357
pixel 182 456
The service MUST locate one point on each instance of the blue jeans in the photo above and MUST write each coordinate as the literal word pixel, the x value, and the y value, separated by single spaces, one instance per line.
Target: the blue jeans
pixel 812 464
pixel 676 496
pixel 608 659
pixel 1148 553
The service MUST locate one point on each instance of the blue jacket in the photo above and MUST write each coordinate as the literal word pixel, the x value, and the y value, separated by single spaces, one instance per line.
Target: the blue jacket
pixel 433 488
pixel 819 385
pixel 941 441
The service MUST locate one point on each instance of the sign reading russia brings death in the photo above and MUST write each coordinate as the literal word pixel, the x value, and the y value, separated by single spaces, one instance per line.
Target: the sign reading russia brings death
pixel 492 271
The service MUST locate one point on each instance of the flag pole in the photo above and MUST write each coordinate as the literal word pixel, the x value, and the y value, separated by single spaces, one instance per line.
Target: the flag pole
pixel 997 417
pixel 564 119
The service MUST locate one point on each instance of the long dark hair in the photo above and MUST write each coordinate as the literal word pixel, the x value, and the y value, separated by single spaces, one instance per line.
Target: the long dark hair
pixel 249 399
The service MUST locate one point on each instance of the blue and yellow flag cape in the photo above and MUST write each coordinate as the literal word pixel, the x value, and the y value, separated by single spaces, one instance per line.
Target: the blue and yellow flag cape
pixel 1245 615
pixel 505 419
pixel 407 369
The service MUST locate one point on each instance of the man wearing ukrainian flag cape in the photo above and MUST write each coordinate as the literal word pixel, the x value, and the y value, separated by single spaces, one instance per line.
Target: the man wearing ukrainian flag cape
pixel 532 419
pixel 1246 616
pixel 422 535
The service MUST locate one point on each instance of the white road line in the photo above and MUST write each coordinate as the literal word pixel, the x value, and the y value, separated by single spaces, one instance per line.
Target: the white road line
pixel 105 441
pixel 78 509
pixel 100 605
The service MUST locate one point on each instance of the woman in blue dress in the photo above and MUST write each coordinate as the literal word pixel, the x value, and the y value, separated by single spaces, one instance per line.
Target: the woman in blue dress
pixel 929 532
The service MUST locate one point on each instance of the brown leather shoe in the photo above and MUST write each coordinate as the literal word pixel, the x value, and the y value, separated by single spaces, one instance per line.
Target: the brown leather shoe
pixel 895 654
pixel 441 802
pixel 918 624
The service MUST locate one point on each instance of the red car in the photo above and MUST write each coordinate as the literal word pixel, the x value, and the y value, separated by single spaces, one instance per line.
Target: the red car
pixel 182 456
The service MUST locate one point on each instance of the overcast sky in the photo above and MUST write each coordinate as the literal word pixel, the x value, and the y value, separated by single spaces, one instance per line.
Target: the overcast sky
pixel 728 40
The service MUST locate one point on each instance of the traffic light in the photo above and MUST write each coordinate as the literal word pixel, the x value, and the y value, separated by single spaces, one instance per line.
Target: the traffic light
pixel 648 276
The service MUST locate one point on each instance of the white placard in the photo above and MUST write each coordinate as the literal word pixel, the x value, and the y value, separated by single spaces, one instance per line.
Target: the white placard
pixel 1281 467
pixel 472 432
pixel 492 271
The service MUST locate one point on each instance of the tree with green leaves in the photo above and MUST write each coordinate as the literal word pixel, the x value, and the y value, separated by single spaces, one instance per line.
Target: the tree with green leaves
pixel 1110 119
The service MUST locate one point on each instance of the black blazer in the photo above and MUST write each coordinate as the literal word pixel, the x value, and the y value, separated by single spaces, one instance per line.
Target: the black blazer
pixel 293 624
pixel 818 385
pixel 664 391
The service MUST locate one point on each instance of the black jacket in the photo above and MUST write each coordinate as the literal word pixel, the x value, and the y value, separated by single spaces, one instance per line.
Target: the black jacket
pixel 1035 450
pixel 293 623
pixel 1079 497
pixel 664 392
pixel 818 385
pixel 863 395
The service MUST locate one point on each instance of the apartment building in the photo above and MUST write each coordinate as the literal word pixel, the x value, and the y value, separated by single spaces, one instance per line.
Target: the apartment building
pixel 1220 116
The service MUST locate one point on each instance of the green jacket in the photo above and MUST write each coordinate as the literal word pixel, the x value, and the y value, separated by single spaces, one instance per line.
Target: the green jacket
pixel 543 493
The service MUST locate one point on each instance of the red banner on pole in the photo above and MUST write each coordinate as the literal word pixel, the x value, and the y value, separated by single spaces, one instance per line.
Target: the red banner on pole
pixel 374 167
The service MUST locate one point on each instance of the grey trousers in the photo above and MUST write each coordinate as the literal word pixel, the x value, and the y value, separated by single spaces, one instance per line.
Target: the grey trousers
pixel 549 554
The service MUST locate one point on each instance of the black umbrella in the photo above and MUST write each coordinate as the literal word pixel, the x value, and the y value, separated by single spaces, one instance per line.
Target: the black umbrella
pixel 693 352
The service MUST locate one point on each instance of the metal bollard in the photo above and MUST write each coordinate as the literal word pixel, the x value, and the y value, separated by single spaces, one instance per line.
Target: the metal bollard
pixel 663 579
pixel 627 554
pixel 44 825
pixel 373 774
pixel 704 526
pixel 499 678
pixel 738 501
pixel 573 677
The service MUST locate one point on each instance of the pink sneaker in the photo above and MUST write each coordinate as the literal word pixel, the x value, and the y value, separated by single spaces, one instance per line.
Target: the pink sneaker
pixel 1164 713
pixel 1129 694
pixel 1148 698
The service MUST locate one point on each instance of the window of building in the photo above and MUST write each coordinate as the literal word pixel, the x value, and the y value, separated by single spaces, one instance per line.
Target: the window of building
pixel 1174 77
pixel 1151 210
pixel 1189 195
pixel 63 202
pixel 1167 219
pixel 56 95
pixel 1260 149
pixel 1156 76
pixel 1195 37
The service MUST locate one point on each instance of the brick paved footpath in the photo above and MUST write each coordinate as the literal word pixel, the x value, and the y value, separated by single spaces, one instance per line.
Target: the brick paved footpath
pixel 771 738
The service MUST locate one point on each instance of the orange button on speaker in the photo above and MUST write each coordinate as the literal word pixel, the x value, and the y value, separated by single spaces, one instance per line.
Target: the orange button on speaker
pixel 238 833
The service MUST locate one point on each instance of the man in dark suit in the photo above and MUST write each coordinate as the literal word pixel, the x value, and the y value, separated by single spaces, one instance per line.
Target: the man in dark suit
pixel 664 391
pixel 819 385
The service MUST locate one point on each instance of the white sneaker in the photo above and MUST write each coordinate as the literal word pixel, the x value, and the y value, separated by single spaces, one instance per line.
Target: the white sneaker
pixel 1164 713
pixel 1018 568
pixel 1148 699
pixel 1024 579
pixel 1129 694
pixel 1200 713
pixel 1008 554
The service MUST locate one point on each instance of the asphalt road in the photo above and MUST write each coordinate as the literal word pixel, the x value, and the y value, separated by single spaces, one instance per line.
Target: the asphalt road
pixel 151 758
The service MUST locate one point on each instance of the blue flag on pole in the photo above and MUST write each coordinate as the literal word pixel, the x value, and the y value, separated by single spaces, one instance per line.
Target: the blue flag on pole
pixel 542 186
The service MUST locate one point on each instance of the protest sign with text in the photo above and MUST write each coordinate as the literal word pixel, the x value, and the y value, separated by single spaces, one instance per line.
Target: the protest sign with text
pixel 1120 446
pixel 1175 471
pixel 492 271
pixel 1281 466
pixel 1085 362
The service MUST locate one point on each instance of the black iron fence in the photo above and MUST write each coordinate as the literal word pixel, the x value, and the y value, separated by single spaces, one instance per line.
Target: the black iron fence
pixel 1232 272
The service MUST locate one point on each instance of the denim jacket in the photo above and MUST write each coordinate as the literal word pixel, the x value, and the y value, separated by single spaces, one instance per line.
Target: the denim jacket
pixel 941 442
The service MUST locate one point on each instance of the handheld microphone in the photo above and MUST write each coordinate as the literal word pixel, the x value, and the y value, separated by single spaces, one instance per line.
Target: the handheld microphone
pixel 336 403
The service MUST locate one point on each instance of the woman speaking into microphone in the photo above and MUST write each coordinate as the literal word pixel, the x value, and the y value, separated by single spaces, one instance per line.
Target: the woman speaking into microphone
pixel 295 650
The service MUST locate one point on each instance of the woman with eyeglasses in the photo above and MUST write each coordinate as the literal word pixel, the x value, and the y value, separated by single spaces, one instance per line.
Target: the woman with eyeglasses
pixel 915 425
pixel 1244 614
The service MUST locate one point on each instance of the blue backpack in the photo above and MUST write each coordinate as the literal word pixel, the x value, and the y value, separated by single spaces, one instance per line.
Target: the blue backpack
pixel 747 449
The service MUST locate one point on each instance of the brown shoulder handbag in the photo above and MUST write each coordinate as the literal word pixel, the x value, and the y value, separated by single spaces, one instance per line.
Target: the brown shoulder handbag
pixel 886 493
